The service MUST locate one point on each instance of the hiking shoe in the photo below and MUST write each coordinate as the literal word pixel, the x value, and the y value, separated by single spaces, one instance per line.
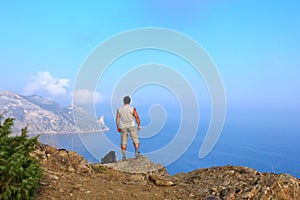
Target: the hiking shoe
pixel 124 158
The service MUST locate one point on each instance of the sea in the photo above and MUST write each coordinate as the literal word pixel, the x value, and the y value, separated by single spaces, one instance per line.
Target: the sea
pixel 276 151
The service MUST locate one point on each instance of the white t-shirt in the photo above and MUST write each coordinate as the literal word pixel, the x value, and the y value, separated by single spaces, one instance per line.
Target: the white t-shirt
pixel 126 115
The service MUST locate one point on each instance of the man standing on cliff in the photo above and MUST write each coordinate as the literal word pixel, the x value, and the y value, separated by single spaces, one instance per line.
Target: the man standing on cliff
pixel 127 114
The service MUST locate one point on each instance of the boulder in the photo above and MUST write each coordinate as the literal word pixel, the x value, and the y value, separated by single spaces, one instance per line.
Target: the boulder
pixel 135 165
pixel 109 158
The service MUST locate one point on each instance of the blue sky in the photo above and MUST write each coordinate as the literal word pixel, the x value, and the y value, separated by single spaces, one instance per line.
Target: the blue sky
pixel 254 44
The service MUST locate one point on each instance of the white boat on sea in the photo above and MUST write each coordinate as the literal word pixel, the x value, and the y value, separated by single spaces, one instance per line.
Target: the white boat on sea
pixel 102 124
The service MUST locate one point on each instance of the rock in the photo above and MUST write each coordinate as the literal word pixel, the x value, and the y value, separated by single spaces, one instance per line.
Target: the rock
pixel 71 169
pixel 137 170
pixel 73 154
pixel 43 183
pixel 215 183
pixel 82 168
pixel 160 182
pixel 191 195
pixel 39 154
pixel 136 165
pixel 76 186
pixel 212 197
pixel 52 176
pixel 49 149
pixel 62 153
pixel 109 158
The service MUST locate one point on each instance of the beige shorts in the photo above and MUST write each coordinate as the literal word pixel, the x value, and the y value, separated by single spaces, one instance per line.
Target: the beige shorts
pixel 133 134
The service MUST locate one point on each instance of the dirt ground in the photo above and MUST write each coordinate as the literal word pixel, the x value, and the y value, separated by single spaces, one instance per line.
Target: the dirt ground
pixel 108 184
pixel 67 175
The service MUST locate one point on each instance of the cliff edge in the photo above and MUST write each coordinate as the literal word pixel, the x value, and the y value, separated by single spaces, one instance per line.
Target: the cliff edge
pixel 67 175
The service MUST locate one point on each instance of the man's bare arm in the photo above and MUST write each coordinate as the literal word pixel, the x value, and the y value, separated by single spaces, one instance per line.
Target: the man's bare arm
pixel 118 119
pixel 137 119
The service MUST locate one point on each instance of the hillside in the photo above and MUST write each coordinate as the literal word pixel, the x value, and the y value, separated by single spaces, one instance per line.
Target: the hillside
pixel 45 116
pixel 69 176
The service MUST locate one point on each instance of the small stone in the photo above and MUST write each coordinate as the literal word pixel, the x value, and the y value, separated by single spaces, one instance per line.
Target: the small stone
pixel 50 149
pixel 71 169
pixel 43 183
pixel 160 182
pixel 76 186
pixel 83 169
pixel 62 153
pixel 212 197
pixel 134 195
pixel 191 195
pixel 248 195
pixel 52 176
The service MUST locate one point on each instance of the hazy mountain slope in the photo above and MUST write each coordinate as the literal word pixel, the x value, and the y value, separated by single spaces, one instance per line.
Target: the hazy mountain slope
pixel 45 116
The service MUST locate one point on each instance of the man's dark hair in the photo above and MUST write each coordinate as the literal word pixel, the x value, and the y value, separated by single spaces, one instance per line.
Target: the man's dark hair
pixel 126 100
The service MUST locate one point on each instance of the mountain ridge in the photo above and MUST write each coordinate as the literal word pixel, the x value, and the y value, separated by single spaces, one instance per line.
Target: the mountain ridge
pixel 41 115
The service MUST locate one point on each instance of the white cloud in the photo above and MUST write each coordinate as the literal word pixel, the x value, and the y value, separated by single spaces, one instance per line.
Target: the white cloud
pixel 44 81
pixel 83 96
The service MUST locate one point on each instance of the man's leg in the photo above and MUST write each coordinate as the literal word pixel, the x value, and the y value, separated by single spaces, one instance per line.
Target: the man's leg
pixel 123 147
pixel 134 137
pixel 124 138
pixel 136 147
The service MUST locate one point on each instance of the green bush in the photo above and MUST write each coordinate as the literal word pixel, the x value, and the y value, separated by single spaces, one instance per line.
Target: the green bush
pixel 19 172
pixel 99 168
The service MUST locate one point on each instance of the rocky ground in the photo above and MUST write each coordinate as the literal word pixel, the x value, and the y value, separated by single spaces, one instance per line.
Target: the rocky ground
pixel 67 175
